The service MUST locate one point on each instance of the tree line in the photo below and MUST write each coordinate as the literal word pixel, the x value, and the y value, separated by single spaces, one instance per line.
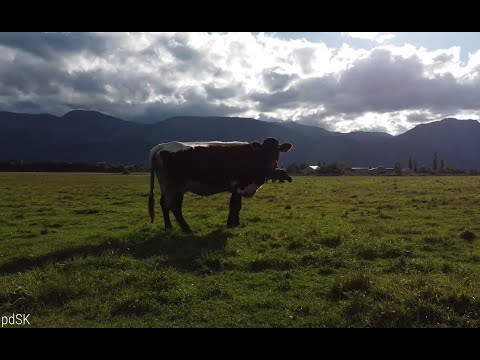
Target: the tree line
pixel 54 166
pixel 438 167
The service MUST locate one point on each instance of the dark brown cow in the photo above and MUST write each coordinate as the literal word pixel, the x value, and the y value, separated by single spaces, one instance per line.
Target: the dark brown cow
pixel 209 168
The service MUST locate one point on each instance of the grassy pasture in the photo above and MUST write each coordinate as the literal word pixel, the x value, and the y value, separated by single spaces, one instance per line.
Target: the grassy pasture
pixel 78 250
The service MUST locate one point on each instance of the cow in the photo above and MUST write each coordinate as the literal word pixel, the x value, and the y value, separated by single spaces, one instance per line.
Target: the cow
pixel 207 168
pixel 280 175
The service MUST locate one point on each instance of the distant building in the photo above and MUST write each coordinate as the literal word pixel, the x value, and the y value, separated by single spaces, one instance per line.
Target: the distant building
pixel 310 170
pixel 357 170
pixel 364 170
pixel 382 170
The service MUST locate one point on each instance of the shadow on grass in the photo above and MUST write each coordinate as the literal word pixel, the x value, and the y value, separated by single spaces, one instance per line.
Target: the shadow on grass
pixel 181 251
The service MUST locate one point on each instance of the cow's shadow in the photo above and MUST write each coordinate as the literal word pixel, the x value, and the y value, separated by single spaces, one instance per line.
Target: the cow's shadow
pixel 183 251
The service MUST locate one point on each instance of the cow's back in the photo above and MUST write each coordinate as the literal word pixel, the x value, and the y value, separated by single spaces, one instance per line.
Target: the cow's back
pixel 215 163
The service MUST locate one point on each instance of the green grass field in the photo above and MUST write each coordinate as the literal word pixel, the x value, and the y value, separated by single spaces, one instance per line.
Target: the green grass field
pixel 78 250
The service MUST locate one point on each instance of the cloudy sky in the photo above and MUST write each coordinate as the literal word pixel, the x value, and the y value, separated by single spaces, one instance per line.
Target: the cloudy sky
pixel 340 81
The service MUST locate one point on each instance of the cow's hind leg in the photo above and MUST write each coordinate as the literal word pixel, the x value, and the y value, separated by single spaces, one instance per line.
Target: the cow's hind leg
pixel 234 214
pixel 177 212
pixel 166 203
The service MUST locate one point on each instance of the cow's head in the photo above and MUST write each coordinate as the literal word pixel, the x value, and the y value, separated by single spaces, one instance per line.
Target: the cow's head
pixel 269 152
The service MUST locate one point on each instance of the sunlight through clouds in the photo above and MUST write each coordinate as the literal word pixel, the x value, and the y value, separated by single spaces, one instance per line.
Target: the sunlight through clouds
pixel 149 76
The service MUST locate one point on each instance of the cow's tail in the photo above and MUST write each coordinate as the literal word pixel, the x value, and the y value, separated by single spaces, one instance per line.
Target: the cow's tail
pixel 151 197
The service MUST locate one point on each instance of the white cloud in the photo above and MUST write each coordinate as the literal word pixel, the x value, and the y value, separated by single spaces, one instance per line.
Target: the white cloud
pixel 378 37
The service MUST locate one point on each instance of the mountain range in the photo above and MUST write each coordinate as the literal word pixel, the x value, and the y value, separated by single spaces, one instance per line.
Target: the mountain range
pixel 92 136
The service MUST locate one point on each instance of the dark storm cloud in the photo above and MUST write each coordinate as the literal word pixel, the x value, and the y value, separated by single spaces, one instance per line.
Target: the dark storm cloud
pixel 25 106
pixel 8 91
pixel 222 93
pixel 419 117
pixel 192 102
pixel 159 111
pixel 385 83
pixel 27 75
pixel 178 46
pixel 50 45
pixel 287 99
pixel 92 82
pixel 318 118
pixel 41 79
pixel 37 68
pixel 310 92
pixel 380 83
pixel 188 61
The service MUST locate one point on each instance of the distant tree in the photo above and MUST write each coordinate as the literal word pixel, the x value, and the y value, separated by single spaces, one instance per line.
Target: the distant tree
pixel 121 168
pixel 341 166
pixel 424 170
pixel 334 168
pixel 410 166
pixel 441 164
pixel 435 164
pixel 292 168
pixel 415 165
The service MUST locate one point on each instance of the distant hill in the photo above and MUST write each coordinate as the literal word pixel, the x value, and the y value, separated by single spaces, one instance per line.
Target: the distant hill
pixel 455 141
pixel 368 137
pixel 93 136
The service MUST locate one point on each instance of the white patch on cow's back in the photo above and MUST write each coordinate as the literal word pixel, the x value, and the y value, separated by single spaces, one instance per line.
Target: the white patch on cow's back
pixel 175 146
pixel 249 190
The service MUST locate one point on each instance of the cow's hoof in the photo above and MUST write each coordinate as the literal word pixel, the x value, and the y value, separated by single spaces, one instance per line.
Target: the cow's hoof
pixel 187 230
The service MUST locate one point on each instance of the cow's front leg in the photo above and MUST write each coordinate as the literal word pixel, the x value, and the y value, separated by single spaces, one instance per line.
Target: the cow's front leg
pixel 234 213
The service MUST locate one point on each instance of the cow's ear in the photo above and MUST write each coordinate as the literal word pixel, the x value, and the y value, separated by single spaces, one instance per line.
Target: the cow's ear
pixel 256 145
pixel 285 147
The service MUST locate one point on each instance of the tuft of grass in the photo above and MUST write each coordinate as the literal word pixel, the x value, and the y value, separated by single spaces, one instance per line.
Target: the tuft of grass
pixel 262 264
pixel 354 283
pixel 463 305
pixel 86 211
pixel 331 241
pixel 468 235
pixel 210 263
